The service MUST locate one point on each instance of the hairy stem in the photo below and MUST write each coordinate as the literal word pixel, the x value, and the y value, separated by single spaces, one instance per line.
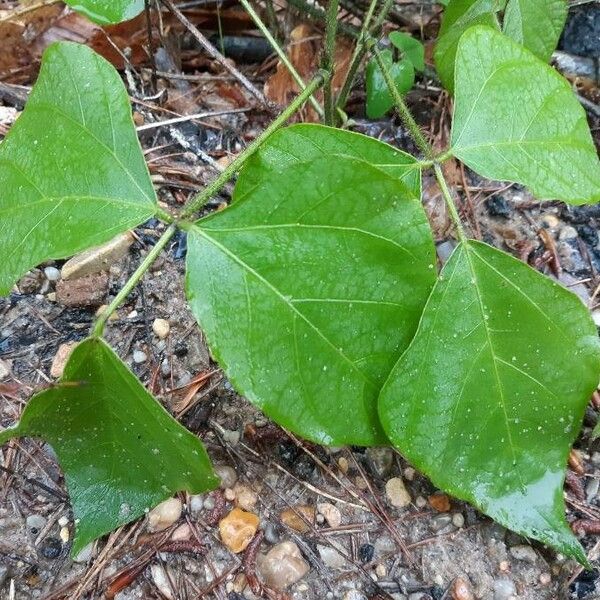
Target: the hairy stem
pixel 282 55
pixel 439 175
pixel 329 58
pixel 317 13
pixel 403 110
pixel 213 188
pixel 98 328
pixel 361 48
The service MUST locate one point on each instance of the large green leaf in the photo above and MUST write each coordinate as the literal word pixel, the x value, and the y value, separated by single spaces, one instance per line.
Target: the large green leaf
pixel 121 452
pixel 108 11
pixel 536 24
pixel 516 119
pixel 489 396
pixel 459 15
pixel 72 174
pixel 309 287
pixel 305 142
pixel 412 48
pixel 379 98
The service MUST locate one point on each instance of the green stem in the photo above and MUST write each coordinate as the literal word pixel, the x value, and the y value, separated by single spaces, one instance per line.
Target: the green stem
pixel 439 175
pixel 213 188
pixel 282 55
pixel 329 58
pixel 403 110
pixel 98 328
pixel 163 215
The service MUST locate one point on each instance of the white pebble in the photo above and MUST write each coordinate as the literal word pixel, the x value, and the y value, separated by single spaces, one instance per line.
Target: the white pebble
pixel 165 514
pixel 52 273
pixel 161 328
pixel 139 357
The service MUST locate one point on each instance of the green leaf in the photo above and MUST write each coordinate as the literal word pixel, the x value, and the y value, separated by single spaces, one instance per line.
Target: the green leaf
pixel 412 48
pixel 516 119
pixel 536 24
pixel 120 451
pixel 490 395
pixel 305 142
pixel 459 16
pixel 72 173
pixel 379 99
pixel 308 288
pixel 108 11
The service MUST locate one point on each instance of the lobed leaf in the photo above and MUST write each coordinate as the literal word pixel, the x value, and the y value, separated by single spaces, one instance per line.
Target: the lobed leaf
pixel 309 287
pixel 379 98
pixel 305 142
pixel 490 395
pixel 536 24
pixel 459 16
pixel 516 119
pixel 106 12
pixel 120 451
pixel 72 172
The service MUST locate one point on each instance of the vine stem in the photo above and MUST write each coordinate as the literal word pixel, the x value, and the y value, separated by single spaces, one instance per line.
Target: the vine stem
pixel 329 58
pixel 164 239
pixel 207 193
pixel 422 143
pixel 403 110
pixel 281 54
pixel 361 48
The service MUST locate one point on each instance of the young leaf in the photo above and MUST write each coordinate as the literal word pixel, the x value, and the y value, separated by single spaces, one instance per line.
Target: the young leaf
pixel 305 142
pixel 459 15
pixel 121 452
pixel 490 394
pixel 72 173
pixel 536 24
pixel 379 99
pixel 308 288
pixel 516 119
pixel 106 12
pixel 412 48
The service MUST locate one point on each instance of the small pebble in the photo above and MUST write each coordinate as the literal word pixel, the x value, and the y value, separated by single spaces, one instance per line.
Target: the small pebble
pixel 524 553
pixel 272 533
pixel 380 461
pixel 458 520
pixel 244 496
pixel 139 357
pixel 344 466
pixel 332 514
pixel 35 524
pixel 59 362
pixel 409 473
pixel 420 502
pixel 85 554
pixel 504 589
pixel 88 291
pixel 63 521
pixel 165 514
pixel 161 328
pixel 440 522
pixel 366 552
pixel 52 273
pixel 355 595
pixel 331 557
pixel 380 570
pixel 64 534
pixel 461 590
pixel 282 566
pixel 5 369
pixel 227 475
pixel 293 520
pixel 237 529
pixel 183 532
pixel 550 221
pixel 591 489
pixel 545 578
pixel 196 504
pixel 567 233
pixel 51 548
pixel 396 493
pixel 440 502
pixel 162 581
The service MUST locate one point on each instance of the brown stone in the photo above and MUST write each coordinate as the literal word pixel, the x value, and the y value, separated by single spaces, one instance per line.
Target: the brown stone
pixel 86 291
pixel 282 566
pixel 291 517
pixel 238 528
pixel 441 502
pixel 60 358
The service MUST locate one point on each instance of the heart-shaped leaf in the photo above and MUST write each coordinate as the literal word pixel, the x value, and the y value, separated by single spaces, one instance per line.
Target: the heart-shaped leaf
pixel 489 396
pixel 305 142
pixel 379 98
pixel 412 48
pixel 121 452
pixel 536 24
pixel 308 288
pixel 459 15
pixel 516 119
pixel 72 173
pixel 108 11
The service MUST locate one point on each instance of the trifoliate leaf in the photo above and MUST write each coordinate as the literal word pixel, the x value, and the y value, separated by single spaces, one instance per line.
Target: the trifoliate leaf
pixel 120 451
pixel 309 287
pixel 72 172
pixel 490 395
pixel 516 119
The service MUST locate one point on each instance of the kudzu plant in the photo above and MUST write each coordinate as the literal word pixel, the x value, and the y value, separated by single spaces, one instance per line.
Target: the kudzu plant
pixel 336 323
